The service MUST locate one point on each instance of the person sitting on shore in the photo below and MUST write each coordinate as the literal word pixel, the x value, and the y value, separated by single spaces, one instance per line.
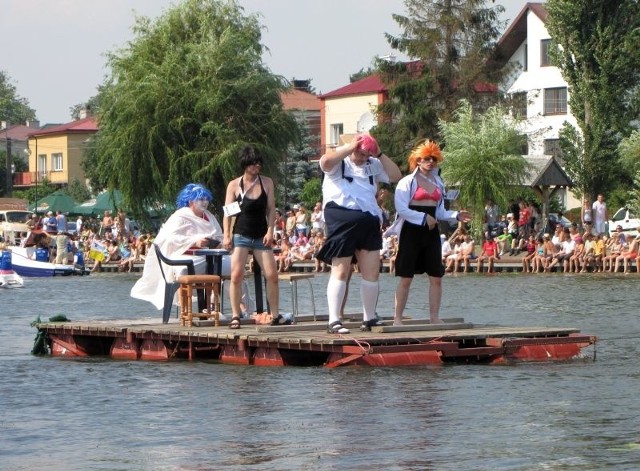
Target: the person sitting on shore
pixel 285 258
pixel 467 253
pixel 453 260
pixel 489 253
pixel 530 247
pixel 568 246
pixel 628 253
pixel 599 251
pixel 504 241
pixel 578 254
pixel 588 256
pixel 538 262
pixel 614 249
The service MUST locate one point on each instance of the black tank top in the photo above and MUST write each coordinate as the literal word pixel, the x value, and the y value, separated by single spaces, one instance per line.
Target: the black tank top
pixel 252 220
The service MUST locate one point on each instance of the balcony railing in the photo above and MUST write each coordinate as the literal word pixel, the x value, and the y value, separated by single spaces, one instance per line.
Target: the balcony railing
pixel 30 178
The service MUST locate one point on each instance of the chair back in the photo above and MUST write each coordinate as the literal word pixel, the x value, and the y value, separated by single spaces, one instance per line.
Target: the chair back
pixel 162 259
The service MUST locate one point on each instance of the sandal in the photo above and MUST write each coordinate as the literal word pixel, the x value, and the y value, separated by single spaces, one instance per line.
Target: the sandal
pixel 366 325
pixel 280 320
pixel 234 323
pixel 337 328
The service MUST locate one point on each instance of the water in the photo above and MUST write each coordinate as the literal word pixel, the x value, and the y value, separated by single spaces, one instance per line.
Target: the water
pixel 99 414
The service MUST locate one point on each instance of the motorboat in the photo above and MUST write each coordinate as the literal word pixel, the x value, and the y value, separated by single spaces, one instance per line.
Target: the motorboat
pixel 8 277
pixel 28 261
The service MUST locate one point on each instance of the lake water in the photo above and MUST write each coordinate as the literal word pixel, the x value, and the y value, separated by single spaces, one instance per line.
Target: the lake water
pixel 99 414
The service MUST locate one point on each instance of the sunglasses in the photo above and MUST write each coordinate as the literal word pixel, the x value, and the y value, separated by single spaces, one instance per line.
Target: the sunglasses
pixel 428 159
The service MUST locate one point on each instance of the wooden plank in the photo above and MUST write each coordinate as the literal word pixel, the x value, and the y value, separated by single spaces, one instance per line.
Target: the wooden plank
pixel 421 327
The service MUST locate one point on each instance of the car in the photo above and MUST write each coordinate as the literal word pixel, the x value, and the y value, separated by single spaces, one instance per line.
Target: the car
pixel 555 219
pixel 626 219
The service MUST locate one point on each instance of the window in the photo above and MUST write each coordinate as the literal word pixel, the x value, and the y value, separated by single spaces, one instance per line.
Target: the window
pixel 555 100
pixel 336 131
pixel 519 105
pixel 545 60
pixel 526 58
pixel 56 162
pixel 41 166
pixel 552 147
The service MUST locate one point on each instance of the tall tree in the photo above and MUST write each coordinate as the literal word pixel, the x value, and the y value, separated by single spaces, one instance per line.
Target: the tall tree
pixel 14 109
pixel 295 169
pixel 183 98
pixel 599 58
pixel 482 157
pixel 451 47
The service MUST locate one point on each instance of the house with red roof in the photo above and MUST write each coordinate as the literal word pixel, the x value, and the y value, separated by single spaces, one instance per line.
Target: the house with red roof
pixel 56 152
pixel 350 109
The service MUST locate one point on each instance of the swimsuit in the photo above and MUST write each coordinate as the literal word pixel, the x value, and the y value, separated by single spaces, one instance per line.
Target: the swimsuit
pixel 422 194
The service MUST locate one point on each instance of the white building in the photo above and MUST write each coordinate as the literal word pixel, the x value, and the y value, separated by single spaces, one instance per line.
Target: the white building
pixel 537 85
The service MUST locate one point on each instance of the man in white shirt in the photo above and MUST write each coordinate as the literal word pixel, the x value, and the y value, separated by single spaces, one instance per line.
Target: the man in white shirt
pixel 599 214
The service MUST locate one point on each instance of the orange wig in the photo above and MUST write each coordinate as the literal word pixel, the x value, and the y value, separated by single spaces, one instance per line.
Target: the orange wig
pixel 427 149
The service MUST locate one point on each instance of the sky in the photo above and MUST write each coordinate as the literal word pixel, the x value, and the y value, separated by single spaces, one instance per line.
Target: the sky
pixel 54 50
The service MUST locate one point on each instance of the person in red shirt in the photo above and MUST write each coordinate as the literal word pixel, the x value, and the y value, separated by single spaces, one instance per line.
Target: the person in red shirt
pixel 489 253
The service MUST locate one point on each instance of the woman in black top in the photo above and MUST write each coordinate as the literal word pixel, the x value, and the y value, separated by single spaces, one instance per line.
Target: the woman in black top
pixel 251 229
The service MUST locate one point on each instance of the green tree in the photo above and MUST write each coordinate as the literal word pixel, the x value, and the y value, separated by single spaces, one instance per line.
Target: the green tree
pixel 78 191
pixel 451 46
pixel 599 58
pixel 311 192
pixel 14 109
pixel 296 169
pixel 185 95
pixel 482 158
pixel 629 150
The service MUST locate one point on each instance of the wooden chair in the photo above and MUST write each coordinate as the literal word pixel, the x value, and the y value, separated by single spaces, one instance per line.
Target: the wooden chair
pixel 210 284
pixel 171 287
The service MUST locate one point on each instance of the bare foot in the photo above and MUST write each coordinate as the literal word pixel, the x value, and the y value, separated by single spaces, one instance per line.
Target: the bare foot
pixel 436 320
pixel 397 322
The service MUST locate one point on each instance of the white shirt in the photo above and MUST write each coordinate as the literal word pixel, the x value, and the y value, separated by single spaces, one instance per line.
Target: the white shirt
pixel 356 194
pixel 599 211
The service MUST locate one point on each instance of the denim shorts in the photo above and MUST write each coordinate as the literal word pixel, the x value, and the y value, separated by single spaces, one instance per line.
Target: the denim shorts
pixel 248 242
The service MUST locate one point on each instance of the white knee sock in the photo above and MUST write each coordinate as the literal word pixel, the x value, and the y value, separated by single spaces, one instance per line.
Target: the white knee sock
pixel 369 296
pixel 335 294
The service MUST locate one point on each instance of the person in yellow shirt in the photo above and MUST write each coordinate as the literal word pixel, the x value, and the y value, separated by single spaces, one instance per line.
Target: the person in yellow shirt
pixel 599 252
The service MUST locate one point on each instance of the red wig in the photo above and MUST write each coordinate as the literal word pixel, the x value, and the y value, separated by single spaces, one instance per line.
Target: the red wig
pixel 427 149
pixel 368 144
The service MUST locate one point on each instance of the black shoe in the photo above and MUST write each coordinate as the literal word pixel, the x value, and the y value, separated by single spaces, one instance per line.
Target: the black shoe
pixel 366 325
pixel 280 320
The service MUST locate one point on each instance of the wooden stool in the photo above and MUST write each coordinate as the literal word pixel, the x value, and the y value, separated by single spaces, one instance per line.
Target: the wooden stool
pixel 210 284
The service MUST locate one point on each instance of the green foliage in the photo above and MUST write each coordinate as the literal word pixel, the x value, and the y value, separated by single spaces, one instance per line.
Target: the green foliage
pixel 629 151
pixel 183 98
pixel 78 191
pixel 44 188
pixel 14 109
pixel 599 58
pixel 452 44
pixel 19 164
pixel 296 168
pixel 572 150
pixel 311 192
pixel 482 158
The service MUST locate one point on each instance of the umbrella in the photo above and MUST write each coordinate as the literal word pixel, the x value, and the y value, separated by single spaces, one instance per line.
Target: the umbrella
pixel 105 201
pixel 59 200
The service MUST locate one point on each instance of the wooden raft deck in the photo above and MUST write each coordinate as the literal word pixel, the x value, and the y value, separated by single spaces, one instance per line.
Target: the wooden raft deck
pixel 308 344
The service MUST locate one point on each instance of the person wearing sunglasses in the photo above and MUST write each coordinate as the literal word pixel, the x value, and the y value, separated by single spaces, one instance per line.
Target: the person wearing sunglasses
pixel 419 202
pixel 249 220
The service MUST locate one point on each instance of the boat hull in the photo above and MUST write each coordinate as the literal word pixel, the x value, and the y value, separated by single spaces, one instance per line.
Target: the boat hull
pixel 24 265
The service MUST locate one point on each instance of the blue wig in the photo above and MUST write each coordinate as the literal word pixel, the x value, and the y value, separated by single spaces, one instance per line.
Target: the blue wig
pixel 192 192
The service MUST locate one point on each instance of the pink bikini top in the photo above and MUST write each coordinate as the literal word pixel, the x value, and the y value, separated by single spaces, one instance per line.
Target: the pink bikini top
pixel 422 194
